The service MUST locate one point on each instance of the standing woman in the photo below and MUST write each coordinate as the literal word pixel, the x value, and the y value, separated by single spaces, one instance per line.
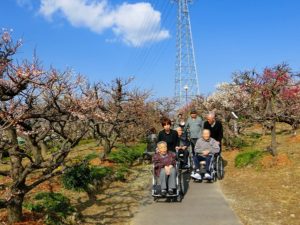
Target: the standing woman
pixel 168 135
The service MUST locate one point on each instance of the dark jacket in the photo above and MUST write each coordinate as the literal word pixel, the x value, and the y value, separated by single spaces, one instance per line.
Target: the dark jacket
pixel 216 132
pixel 171 139
pixel 183 140
pixel 160 162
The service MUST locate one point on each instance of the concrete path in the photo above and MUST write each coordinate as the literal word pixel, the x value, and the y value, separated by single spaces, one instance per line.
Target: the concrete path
pixel 203 204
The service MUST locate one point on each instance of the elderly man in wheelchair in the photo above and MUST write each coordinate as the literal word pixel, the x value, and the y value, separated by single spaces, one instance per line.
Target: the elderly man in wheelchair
pixel 205 149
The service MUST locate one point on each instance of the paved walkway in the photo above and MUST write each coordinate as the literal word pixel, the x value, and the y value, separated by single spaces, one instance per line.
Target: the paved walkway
pixel 203 204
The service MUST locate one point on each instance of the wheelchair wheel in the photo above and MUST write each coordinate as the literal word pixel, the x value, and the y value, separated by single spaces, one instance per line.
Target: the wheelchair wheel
pixel 220 168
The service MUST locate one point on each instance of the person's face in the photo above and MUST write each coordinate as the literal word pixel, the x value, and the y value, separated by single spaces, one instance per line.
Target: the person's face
pixel 206 134
pixel 193 115
pixel 179 131
pixel 179 116
pixel 162 149
pixel 167 127
pixel 210 119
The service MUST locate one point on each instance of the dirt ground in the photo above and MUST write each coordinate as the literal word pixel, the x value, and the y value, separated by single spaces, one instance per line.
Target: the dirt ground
pixel 268 193
pixel 114 204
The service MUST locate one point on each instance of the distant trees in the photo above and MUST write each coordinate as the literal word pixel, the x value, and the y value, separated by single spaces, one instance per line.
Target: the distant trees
pixel 267 98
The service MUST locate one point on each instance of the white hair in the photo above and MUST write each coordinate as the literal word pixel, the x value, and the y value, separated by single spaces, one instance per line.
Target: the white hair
pixel 211 114
pixel 162 143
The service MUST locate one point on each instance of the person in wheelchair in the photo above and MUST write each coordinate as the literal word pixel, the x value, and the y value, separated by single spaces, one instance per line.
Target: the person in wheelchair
pixel 164 166
pixel 182 148
pixel 204 148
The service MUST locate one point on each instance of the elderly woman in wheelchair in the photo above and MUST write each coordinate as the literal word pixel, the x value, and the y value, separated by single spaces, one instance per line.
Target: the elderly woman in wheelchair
pixel 205 150
pixel 165 169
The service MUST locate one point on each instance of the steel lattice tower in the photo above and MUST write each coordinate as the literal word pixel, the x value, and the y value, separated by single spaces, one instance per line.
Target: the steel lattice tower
pixel 186 76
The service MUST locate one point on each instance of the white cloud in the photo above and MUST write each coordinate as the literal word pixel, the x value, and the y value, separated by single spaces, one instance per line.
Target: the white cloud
pixel 135 24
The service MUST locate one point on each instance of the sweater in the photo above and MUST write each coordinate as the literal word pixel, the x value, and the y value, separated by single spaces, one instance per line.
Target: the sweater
pixel 161 161
pixel 195 127
pixel 210 144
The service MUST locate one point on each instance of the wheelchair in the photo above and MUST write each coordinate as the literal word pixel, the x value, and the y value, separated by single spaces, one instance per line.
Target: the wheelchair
pixel 216 168
pixel 178 193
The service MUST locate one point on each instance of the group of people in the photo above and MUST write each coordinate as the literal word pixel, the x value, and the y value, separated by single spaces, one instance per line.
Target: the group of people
pixel 203 137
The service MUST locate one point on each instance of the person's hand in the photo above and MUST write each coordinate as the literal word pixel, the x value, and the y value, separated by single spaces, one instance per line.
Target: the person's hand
pixel 184 147
pixel 205 152
pixel 177 148
pixel 168 169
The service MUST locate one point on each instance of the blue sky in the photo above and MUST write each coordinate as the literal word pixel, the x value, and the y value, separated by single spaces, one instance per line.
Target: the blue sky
pixel 107 39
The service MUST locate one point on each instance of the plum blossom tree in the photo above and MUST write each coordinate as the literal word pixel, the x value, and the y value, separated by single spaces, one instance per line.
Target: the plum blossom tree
pixel 271 94
pixel 46 110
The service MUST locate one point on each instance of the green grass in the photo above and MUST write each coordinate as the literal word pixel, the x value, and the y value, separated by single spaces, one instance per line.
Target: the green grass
pixel 90 156
pixel 244 159
pixel 86 142
pixel 254 135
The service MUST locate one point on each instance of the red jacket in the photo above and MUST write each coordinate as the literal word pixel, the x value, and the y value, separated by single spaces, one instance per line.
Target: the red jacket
pixel 160 162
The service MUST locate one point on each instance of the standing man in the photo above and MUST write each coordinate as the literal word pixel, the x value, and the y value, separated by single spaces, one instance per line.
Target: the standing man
pixel 194 126
pixel 215 127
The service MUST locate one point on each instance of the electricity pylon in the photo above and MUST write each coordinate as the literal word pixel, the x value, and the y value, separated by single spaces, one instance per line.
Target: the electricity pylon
pixel 186 76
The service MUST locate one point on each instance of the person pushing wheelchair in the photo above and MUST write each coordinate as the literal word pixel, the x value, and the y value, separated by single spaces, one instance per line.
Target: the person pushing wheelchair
pixel 204 148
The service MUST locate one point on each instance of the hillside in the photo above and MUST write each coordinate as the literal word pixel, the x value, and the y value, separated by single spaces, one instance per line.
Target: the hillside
pixel 267 190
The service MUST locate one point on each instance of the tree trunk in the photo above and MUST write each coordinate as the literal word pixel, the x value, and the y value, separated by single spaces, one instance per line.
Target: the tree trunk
pixel 44 148
pixel 14 205
pixel 107 148
pixel 273 139
pixel 14 208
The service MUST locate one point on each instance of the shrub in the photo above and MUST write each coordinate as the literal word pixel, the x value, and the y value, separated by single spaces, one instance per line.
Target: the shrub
pixel 55 206
pixel 121 172
pixel 99 173
pixel 244 159
pixel 2 203
pixel 127 155
pixel 80 177
pixel 77 178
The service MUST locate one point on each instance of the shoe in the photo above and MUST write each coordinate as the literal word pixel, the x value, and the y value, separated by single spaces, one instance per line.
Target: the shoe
pixel 207 176
pixel 196 176
pixel 170 192
pixel 164 192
